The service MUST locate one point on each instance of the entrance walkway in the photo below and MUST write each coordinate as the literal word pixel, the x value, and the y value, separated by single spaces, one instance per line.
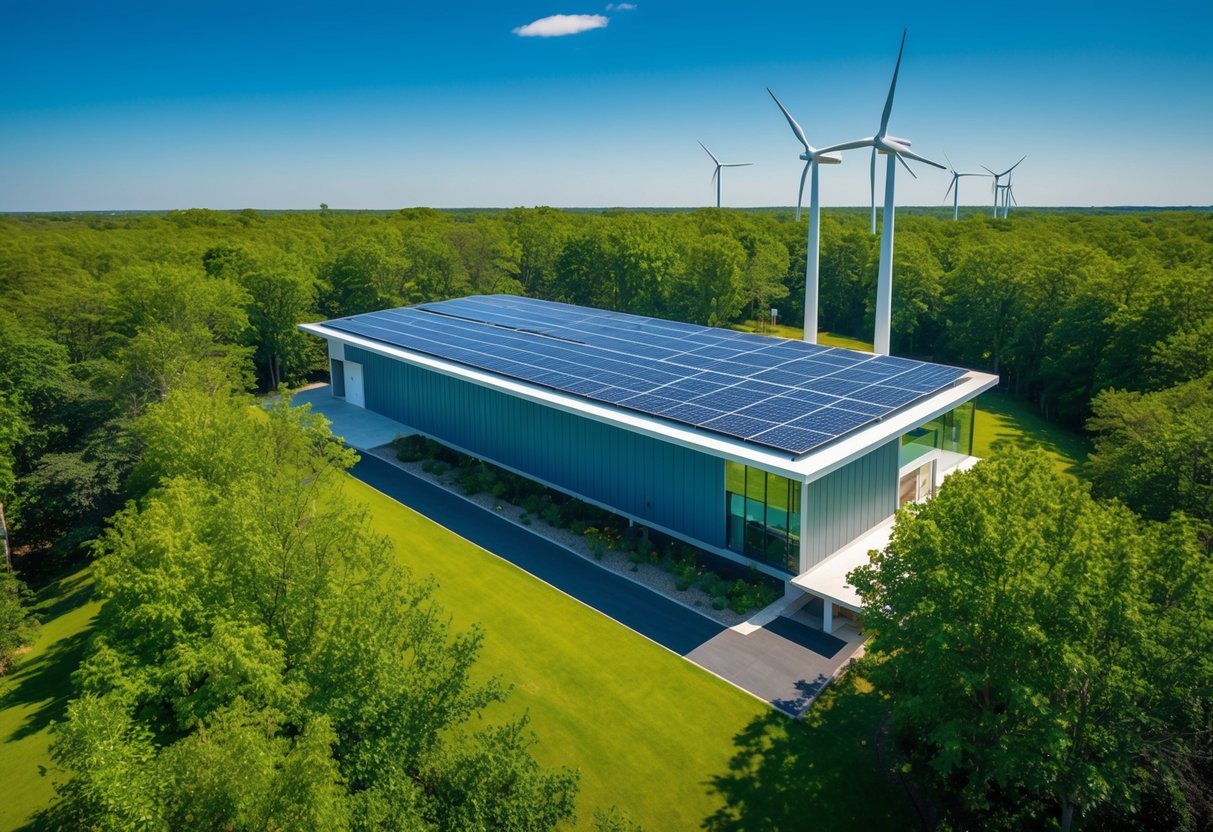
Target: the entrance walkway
pixel 783 662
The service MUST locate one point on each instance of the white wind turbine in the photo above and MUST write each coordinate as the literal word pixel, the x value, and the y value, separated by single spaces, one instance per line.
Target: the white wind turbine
pixel 898 150
pixel 998 177
pixel 1007 198
pixel 719 165
pixel 954 187
pixel 812 158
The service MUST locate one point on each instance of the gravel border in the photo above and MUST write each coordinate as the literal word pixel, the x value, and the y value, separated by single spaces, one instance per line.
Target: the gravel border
pixel 618 562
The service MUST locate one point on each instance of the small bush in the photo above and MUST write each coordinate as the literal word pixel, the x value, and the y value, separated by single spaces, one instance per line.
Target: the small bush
pixel 410 448
pixel 532 504
pixel 636 557
pixel 577 527
pixel 719 602
pixel 552 515
pixel 738 605
pixel 499 490
pixel 682 584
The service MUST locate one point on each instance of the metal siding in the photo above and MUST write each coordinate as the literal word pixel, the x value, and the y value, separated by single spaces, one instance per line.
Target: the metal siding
pixel 666 484
pixel 848 502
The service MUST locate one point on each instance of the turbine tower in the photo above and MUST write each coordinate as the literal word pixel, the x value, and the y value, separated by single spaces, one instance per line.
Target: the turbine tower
pixel 1008 197
pixel 897 150
pixel 719 165
pixel 998 177
pixel 954 188
pixel 812 158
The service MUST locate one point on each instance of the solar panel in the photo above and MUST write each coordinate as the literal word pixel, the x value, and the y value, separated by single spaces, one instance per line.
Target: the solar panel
pixel 786 395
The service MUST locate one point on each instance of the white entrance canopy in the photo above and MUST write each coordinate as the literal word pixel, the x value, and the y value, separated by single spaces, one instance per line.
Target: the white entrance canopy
pixel 828 579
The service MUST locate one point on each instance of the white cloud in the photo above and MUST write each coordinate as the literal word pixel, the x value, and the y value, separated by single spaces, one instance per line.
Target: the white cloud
pixel 559 25
pixel 620 7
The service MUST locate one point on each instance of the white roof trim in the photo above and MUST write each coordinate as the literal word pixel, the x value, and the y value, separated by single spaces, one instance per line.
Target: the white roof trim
pixel 817 463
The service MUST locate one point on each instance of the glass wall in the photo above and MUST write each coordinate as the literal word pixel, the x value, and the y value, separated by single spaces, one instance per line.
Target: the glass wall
pixel 951 434
pixel 763 516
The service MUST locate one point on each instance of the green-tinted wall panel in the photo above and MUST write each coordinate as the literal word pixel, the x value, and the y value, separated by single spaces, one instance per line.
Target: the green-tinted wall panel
pixel 848 502
pixel 659 482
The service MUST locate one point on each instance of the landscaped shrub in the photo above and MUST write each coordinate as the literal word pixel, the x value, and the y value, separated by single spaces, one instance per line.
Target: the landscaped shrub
pixel 719 602
pixel 552 515
pixel 415 447
pixel 475 477
pixel 577 527
pixel 682 583
pixel 532 504
pixel 499 490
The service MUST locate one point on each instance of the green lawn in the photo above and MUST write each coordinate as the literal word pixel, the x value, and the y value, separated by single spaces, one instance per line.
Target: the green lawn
pixel 674 746
pixel 1004 421
pixel 650 732
pixel 35 692
pixel 796 333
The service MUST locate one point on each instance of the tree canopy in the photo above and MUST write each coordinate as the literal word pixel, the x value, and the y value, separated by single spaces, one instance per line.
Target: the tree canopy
pixel 1045 653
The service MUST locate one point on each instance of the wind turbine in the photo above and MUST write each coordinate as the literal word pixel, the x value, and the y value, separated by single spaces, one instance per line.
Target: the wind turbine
pixel 1007 198
pixel 954 188
pixel 719 165
pixel 898 150
pixel 812 158
pixel 999 176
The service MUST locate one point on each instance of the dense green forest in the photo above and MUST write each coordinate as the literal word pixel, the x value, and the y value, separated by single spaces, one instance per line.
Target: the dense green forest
pixel 129 345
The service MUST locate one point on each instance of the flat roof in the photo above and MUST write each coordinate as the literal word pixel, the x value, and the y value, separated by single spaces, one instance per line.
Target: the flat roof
pixel 776 393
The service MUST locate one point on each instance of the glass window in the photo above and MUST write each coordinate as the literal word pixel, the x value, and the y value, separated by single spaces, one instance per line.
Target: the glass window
pixel 763 519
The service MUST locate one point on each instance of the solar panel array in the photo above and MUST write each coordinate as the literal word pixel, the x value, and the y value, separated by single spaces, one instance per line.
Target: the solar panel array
pixel 787 395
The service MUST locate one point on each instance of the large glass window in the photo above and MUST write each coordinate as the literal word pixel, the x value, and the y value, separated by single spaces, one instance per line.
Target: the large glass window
pixel 763 516
pixel 951 433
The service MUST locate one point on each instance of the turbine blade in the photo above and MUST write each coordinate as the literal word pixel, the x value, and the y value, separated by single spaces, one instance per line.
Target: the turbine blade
pixel 888 104
pixel 951 166
pixel 715 174
pixel 705 150
pixel 735 164
pixel 800 196
pixel 1017 164
pixel 868 142
pixel 906 165
pixel 791 121
pixel 912 155
pixel 872 178
pixel 992 173
pixel 949 190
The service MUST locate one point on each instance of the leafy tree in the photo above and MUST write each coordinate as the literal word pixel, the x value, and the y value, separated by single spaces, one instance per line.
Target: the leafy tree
pixel 710 290
pixel 282 296
pixel 1154 451
pixel 1043 653
pixel 16 625
pixel 763 275
pixel 260 660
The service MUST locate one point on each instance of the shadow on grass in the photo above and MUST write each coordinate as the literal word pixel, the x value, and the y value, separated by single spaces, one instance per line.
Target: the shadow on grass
pixel 1012 423
pixel 43 683
pixel 820 772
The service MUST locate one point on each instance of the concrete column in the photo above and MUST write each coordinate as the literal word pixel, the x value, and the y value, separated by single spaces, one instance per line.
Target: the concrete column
pixel 827 615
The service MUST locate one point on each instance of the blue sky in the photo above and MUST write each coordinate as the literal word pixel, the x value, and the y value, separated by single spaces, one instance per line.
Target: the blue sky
pixel 128 105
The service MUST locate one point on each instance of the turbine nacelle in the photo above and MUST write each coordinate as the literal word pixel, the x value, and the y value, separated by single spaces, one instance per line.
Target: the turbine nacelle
pixel 821 158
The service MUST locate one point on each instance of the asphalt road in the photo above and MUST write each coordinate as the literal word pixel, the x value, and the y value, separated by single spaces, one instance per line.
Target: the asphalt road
pixel 653 615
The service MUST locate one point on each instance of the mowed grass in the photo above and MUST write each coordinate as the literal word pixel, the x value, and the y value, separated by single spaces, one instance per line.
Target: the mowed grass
pixel 796 333
pixel 650 732
pixel 674 746
pixel 35 692
pixel 1004 421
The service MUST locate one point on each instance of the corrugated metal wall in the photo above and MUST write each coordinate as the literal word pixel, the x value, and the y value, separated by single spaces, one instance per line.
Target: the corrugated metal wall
pixel 848 502
pixel 666 484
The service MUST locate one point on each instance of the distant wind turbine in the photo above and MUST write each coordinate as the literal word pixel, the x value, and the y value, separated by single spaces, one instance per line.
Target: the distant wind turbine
pixel 954 187
pixel 898 150
pixel 1007 198
pixel 998 177
pixel 719 165
pixel 812 158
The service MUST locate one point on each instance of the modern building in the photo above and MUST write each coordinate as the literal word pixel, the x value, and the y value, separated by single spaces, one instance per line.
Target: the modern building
pixel 772 452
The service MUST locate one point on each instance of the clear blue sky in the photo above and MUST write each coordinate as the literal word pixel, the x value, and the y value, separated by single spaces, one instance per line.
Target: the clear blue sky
pixel 132 105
